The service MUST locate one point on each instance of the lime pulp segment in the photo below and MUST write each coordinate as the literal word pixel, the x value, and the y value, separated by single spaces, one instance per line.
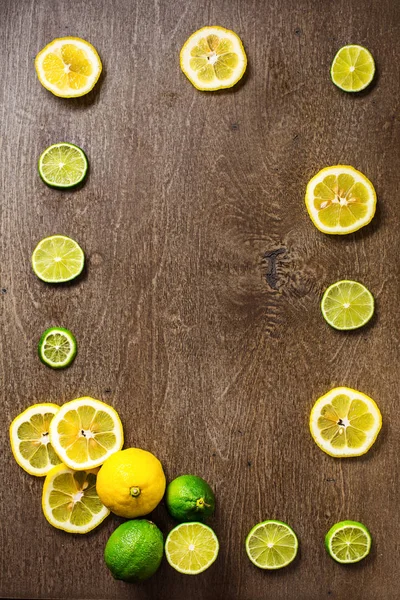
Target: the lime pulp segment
pixel 191 548
pixel 63 165
pixel 348 542
pixel 57 347
pixel 347 305
pixel 353 68
pixel 271 545
pixel 57 259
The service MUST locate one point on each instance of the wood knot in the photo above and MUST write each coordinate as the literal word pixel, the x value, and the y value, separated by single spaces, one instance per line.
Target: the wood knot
pixel 271 274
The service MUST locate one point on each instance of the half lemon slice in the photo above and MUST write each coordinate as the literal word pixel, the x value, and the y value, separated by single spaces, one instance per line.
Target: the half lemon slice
pixel 213 58
pixel 345 422
pixel 85 433
pixel 68 67
pixel 340 200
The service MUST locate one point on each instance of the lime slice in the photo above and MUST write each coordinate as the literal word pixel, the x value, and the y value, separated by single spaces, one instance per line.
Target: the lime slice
pixel 271 545
pixel 63 165
pixel 30 439
pixel 57 347
pixel 348 542
pixel 353 68
pixel 191 548
pixel 347 305
pixel 70 501
pixel 345 422
pixel 57 259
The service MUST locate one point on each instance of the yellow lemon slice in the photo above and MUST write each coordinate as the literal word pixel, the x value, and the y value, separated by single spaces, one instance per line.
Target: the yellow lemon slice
pixel 70 501
pixel 85 432
pixel 340 200
pixel 213 58
pixel 30 439
pixel 68 67
pixel 345 422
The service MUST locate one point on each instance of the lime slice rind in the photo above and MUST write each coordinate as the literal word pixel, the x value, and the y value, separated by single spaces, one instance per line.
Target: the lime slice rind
pixel 348 542
pixel 347 305
pixel 57 347
pixel 63 165
pixel 271 545
pixel 353 68
pixel 193 544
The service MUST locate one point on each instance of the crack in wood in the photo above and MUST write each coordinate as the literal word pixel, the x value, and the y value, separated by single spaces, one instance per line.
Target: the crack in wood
pixel 271 274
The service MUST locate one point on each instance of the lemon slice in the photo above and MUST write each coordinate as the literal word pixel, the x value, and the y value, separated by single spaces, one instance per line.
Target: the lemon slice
pixel 70 501
pixel 191 548
pixel 68 67
pixel 213 58
pixel 340 200
pixel 345 422
pixel 353 68
pixel 85 432
pixel 30 439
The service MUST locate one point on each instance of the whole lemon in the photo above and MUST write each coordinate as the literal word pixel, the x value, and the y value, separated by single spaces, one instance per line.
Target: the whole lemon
pixel 131 483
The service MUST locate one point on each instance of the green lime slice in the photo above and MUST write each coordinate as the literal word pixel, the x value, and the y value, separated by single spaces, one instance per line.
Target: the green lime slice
pixel 57 347
pixel 271 545
pixel 57 259
pixel 347 305
pixel 348 542
pixel 63 165
pixel 353 68
pixel 191 548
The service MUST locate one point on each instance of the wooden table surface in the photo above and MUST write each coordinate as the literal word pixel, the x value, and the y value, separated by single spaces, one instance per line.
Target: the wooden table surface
pixel 198 316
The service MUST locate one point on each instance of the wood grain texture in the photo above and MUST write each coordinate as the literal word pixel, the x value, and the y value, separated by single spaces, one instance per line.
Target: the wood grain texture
pixel 198 316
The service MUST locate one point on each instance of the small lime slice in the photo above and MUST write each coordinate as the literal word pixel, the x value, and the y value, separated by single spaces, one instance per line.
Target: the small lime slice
pixel 57 347
pixel 348 542
pixel 191 548
pixel 353 68
pixel 57 259
pixel 63 165
pixel 347 305
pixel 271 545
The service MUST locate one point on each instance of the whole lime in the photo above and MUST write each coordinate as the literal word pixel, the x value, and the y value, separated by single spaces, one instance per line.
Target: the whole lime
pixel 189 498
pixel 134 550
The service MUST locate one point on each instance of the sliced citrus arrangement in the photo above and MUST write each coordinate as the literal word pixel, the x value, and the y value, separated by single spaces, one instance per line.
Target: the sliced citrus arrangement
pixel 353 68
pixel 271 545
pixel 68 67
pixel 213 58
pixel 85 432
pixel 30 439
pixel 57 259
pixel 347 305
pixel 63 165
pixel 345 422
pixel 191 548
pixel 348 542
pixel 57 347
pixel 340 200
pixel 70 501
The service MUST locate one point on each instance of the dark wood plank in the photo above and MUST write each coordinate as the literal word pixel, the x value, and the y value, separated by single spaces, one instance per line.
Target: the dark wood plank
pixel 211 364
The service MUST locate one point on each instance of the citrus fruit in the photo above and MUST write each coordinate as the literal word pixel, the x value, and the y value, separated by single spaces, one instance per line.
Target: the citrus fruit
pixel 191 548
pixel 70 501
pixel 353 68
pixel 57 347
pixel 340 200
pixel 271 545
pixel 85 432
pixel 30 439
pixel 347 305
pixel 348 542
pixel 68 67
pixel 213 58
pixel 131 483
pixel 345 422
pixel 63 165
pixel 189 498
pixel 57 259
pixel 134 550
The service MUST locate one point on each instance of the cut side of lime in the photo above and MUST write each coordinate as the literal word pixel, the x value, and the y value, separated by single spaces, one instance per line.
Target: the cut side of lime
pixel 30 439
pixel 340 200
pixel 57 259
pixel 63 165
pixel 191 548
pixel 353 68
pixel 213 58
pixel 345 422
pixel 347 305
pixel 57 347
pixel 85 433
pixel 271 545
pixel 70 501
pixel 348 542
